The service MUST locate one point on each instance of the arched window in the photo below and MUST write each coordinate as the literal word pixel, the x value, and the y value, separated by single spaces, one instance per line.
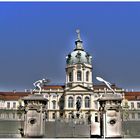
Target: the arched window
pixel 87 102
pixel 70 76
pixel 79 77
pixel 87 76
pixel 70 102
pixel 54 104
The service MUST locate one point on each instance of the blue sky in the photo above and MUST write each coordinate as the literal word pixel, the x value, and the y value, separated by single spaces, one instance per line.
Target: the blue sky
pixel 36 37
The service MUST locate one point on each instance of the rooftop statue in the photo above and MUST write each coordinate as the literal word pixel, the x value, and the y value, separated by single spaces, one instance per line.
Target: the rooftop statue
pixel 38 84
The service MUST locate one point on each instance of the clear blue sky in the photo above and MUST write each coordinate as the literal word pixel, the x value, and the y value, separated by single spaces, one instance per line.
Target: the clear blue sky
pixel 36 37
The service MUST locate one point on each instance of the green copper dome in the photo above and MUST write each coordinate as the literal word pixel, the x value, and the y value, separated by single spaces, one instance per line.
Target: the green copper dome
pixel 78 55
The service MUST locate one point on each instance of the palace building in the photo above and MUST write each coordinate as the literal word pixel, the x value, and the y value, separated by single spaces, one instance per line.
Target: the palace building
pixel 62 99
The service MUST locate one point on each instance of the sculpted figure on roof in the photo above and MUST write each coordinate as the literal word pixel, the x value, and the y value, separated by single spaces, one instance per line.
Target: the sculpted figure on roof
pixel 38 84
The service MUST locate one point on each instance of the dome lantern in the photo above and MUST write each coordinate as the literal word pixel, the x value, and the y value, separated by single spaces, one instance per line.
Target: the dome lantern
pixel 78 42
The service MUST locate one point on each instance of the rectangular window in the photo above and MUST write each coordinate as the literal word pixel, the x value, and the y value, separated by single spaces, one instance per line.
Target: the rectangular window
pixel 132 105
pixel 14 115
pixel 138 105
pixel 7 115
pixel 8 105
pixel 70 76
pixel 138 115
pixel 96 118
pixel 133 115
pixel 54 104
pixel 53 115
pixel 14 104
pixel 20 116
pixel 79 78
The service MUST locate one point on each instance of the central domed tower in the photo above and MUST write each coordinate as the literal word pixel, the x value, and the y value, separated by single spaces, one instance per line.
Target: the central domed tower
pixel 79 66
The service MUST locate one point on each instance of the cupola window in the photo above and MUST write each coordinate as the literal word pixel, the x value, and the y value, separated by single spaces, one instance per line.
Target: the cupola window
pixel 79 78
pixel 87 76
pixel 70 102
pixel 70 76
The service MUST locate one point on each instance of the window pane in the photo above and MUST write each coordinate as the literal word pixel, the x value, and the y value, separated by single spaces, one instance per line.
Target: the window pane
pixel 138 115
pixel 70 102
pixel 138 105
pixel 87 102
pixel 79 76
pixel 14 104
pixel 87 75
pixel 133 115
pixel 70 76
pixel 53 115
pixel 8 104
pixel 132 105
pixel 54 104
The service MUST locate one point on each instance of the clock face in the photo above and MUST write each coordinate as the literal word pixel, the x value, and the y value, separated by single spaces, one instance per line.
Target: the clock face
pixel 78 66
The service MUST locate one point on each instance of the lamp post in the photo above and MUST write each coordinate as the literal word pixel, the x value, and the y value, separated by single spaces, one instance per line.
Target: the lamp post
pixel 103 111
pixel 106 83
pixel 110 110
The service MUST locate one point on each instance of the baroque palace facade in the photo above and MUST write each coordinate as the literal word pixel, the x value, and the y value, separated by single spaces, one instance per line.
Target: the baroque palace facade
pixel 62 99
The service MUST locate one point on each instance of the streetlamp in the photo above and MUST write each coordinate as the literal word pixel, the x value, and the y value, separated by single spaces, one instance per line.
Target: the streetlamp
pixel 106 83
pixel 110 110
pixel 103 116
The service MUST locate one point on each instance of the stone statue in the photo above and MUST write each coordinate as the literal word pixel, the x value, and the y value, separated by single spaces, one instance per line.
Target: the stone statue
pixel 38 84
pixel 68 58
pixel 78 105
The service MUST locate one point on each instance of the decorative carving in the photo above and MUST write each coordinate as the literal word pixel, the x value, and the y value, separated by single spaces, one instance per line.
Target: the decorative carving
pixel 78 56
pixel 68 59
pixel 88 58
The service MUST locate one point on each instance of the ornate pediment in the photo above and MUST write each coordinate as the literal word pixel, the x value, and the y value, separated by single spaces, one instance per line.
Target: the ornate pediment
pixel 79 88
